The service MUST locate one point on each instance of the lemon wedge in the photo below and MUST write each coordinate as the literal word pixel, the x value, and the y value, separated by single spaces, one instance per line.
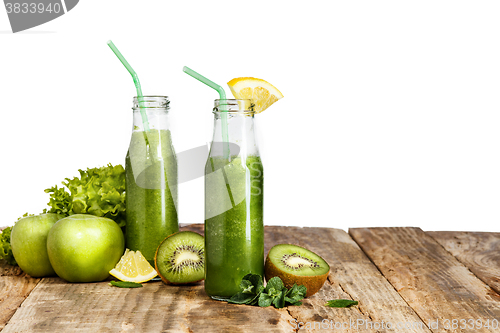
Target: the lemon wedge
pixel 262 93
pixel 133 267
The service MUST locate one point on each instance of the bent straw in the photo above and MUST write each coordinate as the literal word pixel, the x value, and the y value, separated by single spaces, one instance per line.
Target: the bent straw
pixel 140 98
pixel 222 97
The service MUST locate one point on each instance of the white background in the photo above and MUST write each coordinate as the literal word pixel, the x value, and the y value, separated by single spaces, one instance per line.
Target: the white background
pixel 390 115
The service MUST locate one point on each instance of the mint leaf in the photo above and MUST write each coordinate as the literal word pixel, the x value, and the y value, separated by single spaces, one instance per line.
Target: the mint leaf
pixel 256 280
pixel 341 303
pixel 295 294
pixel 265 300
pixel 241 298
pixel 274 283
pixel 274 293
pixel 279 300
pixel 124 284
pixel 253 292
pixel 250 288
pixel 246 287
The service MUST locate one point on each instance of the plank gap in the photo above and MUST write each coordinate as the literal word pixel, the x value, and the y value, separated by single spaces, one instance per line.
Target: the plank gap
pixel 359 308
pixel 15 287
pixel 433 282
pixel 352 276
pixel 472 258
pixel 388 281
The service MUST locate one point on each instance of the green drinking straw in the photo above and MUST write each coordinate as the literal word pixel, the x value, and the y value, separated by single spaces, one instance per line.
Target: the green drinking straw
pixel 140 98
pixel 222 97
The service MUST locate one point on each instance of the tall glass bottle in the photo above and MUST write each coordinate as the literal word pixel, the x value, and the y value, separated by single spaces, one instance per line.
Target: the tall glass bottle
pixel 151 179
pixel 234 192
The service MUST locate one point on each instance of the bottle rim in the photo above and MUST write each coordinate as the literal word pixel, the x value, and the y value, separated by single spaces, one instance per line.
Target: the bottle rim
pixel 151 102
pixel 234 106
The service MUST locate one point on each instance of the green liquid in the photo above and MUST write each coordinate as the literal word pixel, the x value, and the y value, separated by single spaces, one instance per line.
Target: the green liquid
pixel 151 189
pixel 234 227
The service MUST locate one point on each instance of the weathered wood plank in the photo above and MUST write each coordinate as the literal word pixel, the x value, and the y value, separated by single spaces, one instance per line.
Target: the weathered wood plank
pixel 57 306
pixel 352 276
pixel 15 286
pixel 434 283
pixel 479 251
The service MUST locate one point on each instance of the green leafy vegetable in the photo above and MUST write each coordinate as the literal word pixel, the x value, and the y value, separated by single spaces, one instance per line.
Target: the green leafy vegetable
pixel 274 293
pixel 295 294
pixel 274 285
pixel 279 299
pixel 251 286
pixel 98 191
pixel 124 284
pixel 25 215
pixel 5 249
pixel 246 287
pixel 341 303
pixel 265 300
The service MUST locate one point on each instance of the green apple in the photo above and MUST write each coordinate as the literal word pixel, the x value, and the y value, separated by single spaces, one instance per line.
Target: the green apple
pixel 84 248
pixel 28 240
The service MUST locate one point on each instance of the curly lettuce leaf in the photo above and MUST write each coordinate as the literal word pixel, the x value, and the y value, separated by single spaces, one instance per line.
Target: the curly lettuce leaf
pixel 98 191
pixel 60 201
pixel 5 248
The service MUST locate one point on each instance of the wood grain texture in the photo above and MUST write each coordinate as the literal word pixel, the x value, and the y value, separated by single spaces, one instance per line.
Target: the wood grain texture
pixel 15 286
pixel 421 281
pixel 433 282
pixel 479 251
pixel 352 276
pixel 58 306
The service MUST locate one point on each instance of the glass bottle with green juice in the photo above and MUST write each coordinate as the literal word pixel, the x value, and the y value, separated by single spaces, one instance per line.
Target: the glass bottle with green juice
pixel 151 179
pixel 234 192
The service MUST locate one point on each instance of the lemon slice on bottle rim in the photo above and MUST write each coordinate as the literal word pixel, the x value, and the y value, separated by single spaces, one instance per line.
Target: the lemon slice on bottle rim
pixel 133 267
pixel 262 93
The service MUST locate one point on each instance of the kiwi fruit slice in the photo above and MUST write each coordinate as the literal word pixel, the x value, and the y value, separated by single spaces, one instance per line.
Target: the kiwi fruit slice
pixel 180 258
pixel 295 264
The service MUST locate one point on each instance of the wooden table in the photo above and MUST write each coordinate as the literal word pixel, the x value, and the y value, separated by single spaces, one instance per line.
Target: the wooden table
pixel 405 279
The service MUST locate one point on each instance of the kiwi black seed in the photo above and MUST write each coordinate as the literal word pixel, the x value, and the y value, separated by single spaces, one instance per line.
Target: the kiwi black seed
pixel 295 264
pixel 180 258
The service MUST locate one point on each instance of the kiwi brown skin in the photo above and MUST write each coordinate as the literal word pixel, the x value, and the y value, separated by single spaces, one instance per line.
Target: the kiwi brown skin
pixel 312 283
pixel 161 276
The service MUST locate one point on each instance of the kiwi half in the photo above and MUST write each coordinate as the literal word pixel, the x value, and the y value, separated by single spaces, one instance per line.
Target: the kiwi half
pixel 180 258
pixel 294 264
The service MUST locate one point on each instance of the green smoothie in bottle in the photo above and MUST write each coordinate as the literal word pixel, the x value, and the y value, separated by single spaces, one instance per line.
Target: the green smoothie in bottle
pixel 235 236
pixel 234 188
pixel 151 180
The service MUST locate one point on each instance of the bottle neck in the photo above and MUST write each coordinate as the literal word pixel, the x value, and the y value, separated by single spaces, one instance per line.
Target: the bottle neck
pixel 241 134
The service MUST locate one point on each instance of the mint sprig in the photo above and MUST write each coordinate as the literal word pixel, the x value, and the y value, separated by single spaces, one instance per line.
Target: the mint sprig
pixel 253 292
pixel 251 286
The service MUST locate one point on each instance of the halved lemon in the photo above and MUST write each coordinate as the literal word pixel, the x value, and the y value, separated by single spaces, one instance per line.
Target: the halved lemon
pixel 133 267
pixel 262 93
